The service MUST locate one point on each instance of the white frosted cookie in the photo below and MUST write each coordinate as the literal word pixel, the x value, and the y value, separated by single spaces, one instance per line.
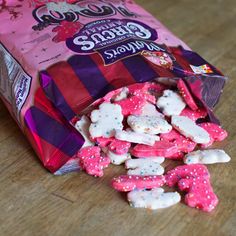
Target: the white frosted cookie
pixel 150 110
pixel 207 157
pixel 144 166
pixel 171 103
pixel 148 124
pixel 122 95
pixel 157 159
pixel 118 159
pixel 134 137
pixel 82 126
pixel 153 199
pixel 105 120
pixel 189 129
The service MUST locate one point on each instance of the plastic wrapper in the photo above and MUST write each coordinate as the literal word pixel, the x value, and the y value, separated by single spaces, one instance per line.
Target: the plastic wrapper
pixel 58 57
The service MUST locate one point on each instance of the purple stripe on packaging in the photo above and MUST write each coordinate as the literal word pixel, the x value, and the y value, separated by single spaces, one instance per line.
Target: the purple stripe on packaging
pixel 211 87
pixel 196 60
pixel 139 68
pixel 55 96
pixel 193 58
pixel 178 70
pixel 90 75
pixel 59 135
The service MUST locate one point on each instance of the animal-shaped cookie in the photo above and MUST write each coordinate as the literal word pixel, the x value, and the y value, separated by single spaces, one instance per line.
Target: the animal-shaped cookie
pixel 186 95
pixel 171 103
pixel 133 137
pixel 144 166
pixel 92 161
pixel 82 126
pixel 194 115
pixel 207 157
pixel 148 124
pixel 132 105
pixel 216 133
pixel 118 159
pixel 152 199
pixel 189 129
pixel 195 180
pixel 106 120
pixel 160 148
pixel 150 110
pixel 126 183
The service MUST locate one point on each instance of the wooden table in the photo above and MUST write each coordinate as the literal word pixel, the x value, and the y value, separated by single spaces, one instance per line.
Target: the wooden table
pixel 34 202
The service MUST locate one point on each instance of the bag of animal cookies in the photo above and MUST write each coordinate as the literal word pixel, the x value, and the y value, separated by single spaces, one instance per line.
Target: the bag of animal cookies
pixel 62 59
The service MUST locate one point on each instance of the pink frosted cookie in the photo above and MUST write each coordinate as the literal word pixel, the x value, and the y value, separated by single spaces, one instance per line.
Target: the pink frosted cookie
pixel 215 131
pixel 194 179
pixel 103 142
pixel 92 162
pixel 126 183
pixel 186 171
pixel 184 91
pixel 149 91
pixel 200 194
pixel 132 105
pixel 194 115
pixel 177 156
pixel 156 89
pixel 141 90
pixel 184 144
pixel 160 148
pixel 119 146
pixel 134 88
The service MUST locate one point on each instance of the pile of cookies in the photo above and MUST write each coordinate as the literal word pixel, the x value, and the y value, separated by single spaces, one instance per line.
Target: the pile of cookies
pixel 142 125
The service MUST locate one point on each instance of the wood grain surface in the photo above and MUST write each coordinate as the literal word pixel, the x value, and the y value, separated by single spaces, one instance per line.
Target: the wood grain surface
pixel 33 202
